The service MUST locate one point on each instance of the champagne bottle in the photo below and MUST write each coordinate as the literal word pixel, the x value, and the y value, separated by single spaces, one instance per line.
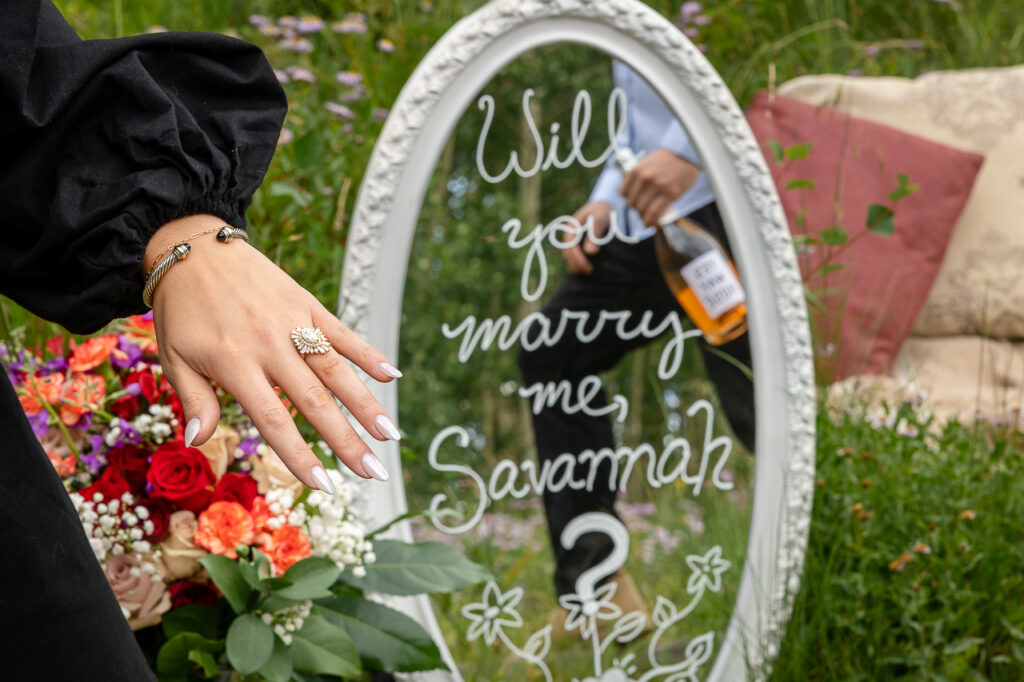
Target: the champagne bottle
pixel 698 272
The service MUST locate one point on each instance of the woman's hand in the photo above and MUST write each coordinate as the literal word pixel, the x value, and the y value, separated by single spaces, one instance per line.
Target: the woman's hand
pixel 225 314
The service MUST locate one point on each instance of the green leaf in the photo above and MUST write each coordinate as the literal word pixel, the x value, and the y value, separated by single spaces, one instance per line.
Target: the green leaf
pixel 880 220
pixel 264 569
pixel 279 189
pixel 228 579
pixel 386 639
pixel 903 189
pixel 310 578
pixel 800 183
pixel 797 151
pixel 417 568
pixel 834 236
pixel 250 643
pixel 777 153
pixel 962 645
pixel 825 269
pixel 320 647
pixel 195 618
pixel 248 572
pixel 206 662
pixel 278 667
pixel 800 219
pixel 308 149
pixel 173 657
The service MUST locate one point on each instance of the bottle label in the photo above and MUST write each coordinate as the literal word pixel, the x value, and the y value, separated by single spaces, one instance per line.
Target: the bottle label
pixel 714 283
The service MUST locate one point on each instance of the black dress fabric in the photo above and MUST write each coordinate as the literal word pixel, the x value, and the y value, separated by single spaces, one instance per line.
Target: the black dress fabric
pixel 101 143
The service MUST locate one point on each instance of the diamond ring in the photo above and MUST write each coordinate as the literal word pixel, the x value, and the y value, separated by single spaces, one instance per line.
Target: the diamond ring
pixel 310 341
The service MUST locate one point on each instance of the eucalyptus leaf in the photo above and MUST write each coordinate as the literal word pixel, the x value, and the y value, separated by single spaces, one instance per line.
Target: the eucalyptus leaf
pixel 250 643
pixel 386 639
pixel 320 647
pixel 417 568
pixel 228 579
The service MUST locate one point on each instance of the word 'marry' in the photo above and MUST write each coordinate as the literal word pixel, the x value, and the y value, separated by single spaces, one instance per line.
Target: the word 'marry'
pixel 580 127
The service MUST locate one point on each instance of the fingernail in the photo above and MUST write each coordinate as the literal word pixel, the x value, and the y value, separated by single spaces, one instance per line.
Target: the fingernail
pixel 191 431
pixel 390 370
pixel 387 427
pixel 373 467
pixel 322 480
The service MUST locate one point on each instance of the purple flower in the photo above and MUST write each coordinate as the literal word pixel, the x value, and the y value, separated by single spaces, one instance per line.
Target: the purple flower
pixel 354 95
pixel 259 20
pixel 379 113
pixel 84 422
pixel 285 137
pixel 300 45
pixel 299 74
pixel 872 50
pixel 309 25
pixel 40 423
pixel 248 446
pixel 282 76
pixel 133 389
pixel 148 317
pixel 385 45
pixel 127 354
pixel 702 20
pixel 354 22
pixel 347 128
pixel 288 21
pixel 55 365
pixel 690 32
pixel 94 461
pixel 339 110
pixel 689 9
pixel 5 352
pixel 271 31
pixel 350 78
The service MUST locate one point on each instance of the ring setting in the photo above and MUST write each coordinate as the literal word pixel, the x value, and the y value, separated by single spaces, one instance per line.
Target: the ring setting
pixel 310 341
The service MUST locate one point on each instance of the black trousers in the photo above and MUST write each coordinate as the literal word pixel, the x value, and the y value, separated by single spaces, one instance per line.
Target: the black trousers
pixel 59 619
pixel 625 277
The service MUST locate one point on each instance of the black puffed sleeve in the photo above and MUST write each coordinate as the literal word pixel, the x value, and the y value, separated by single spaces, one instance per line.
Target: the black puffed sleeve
pixel 104 141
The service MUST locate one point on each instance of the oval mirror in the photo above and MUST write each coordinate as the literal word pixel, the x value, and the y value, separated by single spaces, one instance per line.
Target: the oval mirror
pixel 582 392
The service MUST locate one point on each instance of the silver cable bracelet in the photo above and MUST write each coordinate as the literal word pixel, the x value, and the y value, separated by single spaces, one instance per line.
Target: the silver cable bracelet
pixel 180 252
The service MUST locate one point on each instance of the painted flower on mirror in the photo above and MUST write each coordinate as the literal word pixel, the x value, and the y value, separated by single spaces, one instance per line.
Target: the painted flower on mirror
pixel 496 611
pixel 707 570
pixel 585 612
pixel 354 22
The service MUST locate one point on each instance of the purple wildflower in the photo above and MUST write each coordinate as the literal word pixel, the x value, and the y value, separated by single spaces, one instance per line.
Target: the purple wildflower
pixel 354 22
pixel 248 447
pixel 385 45
pixel 297 73
pixel 271 31
pixel 129 354
pixel 40 423
pixel 288 21
pixel 702 20
pixel 59 364
pixel 350 78
pixel 309 25
pixel 689 9
pixel 353 95
pixel 339 110
pixel 258 20
pixel 872 50
pixel 300 45
pixel 347 128
pixel 379 113
pixel 282 76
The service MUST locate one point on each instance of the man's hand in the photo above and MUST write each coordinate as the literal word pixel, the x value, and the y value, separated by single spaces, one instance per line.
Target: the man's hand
pixel 659 179
pixel 576 256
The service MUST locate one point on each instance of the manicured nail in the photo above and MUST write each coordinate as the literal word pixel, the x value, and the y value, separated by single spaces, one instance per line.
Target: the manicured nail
pixel 390 370
pixel 191 431
pixel 373 467
pixel 323 482
pixel 387 427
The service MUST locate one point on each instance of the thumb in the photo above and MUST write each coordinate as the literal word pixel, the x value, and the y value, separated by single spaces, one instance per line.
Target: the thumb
pixel 202 411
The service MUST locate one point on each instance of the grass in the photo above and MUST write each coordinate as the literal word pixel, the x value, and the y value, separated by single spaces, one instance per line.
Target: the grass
pixel 955 612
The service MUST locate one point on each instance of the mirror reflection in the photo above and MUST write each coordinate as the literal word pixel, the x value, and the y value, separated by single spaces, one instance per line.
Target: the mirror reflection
pixel 578 398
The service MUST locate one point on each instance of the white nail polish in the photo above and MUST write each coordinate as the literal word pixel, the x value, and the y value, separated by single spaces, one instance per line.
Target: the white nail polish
pixel 390 370
pixel 373 467
pixel 387 427
pixel 191 431
pixel 322 480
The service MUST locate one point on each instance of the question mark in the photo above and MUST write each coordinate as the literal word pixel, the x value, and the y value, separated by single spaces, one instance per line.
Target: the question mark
pixel 597 522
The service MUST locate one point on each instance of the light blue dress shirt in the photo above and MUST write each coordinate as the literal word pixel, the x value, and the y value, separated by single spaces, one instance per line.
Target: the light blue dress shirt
pixel 650 125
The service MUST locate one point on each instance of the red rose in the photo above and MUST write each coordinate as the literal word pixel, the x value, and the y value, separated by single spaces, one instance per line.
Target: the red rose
pixel 125 407
pixel 186 592
pixel 133 462
pixel 110 484
pixel 160 515
pixel 240 488
pixel 147 383
pixel 182 476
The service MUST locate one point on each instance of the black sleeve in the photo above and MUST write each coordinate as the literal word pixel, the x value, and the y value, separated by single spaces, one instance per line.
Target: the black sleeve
pixel 104 141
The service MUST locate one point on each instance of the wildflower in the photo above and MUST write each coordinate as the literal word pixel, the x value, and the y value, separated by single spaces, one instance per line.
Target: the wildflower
pixel 353 95
pixel 285 137
pixel 308 24
pixel 288 21
pixel 271 31
pixel 156 29
pixel 922 548
pixel 898 564
pixel 872 49
pixel 299 74
pixel 354 22
pixel 350 78
pixel 339 110
pixel 689 10
pixel 906 429
pixel 296 44
pixel 702 20
pixel 379 114
pixel 968 514
pixel 385 45
pixel 282 76
pixel 258 20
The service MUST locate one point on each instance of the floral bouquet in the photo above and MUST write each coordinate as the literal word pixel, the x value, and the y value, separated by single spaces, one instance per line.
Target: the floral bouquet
pixel 242 568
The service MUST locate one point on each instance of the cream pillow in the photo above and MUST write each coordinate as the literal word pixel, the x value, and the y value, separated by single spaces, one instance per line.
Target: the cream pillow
pixel 980 286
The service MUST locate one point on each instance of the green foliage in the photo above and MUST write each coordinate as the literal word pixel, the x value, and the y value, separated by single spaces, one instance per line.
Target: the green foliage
pixel 250 642
pixel 425 567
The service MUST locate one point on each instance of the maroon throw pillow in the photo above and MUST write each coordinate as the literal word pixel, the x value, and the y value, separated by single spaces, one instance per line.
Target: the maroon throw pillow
pixel 867 307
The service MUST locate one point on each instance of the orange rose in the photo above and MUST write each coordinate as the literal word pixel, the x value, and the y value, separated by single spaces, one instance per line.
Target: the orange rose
pixel 224 526
pixel 84 393
pixel 142 333
pixel 285 546
pixel 92 353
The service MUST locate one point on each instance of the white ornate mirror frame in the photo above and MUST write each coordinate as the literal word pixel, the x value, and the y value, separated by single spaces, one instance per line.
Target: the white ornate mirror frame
pixel 443 86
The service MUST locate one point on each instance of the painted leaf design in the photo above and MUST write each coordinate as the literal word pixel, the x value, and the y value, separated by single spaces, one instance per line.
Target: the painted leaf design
pixel 699 650
pixel 539 643
pixel 664 612
pixel 628 627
